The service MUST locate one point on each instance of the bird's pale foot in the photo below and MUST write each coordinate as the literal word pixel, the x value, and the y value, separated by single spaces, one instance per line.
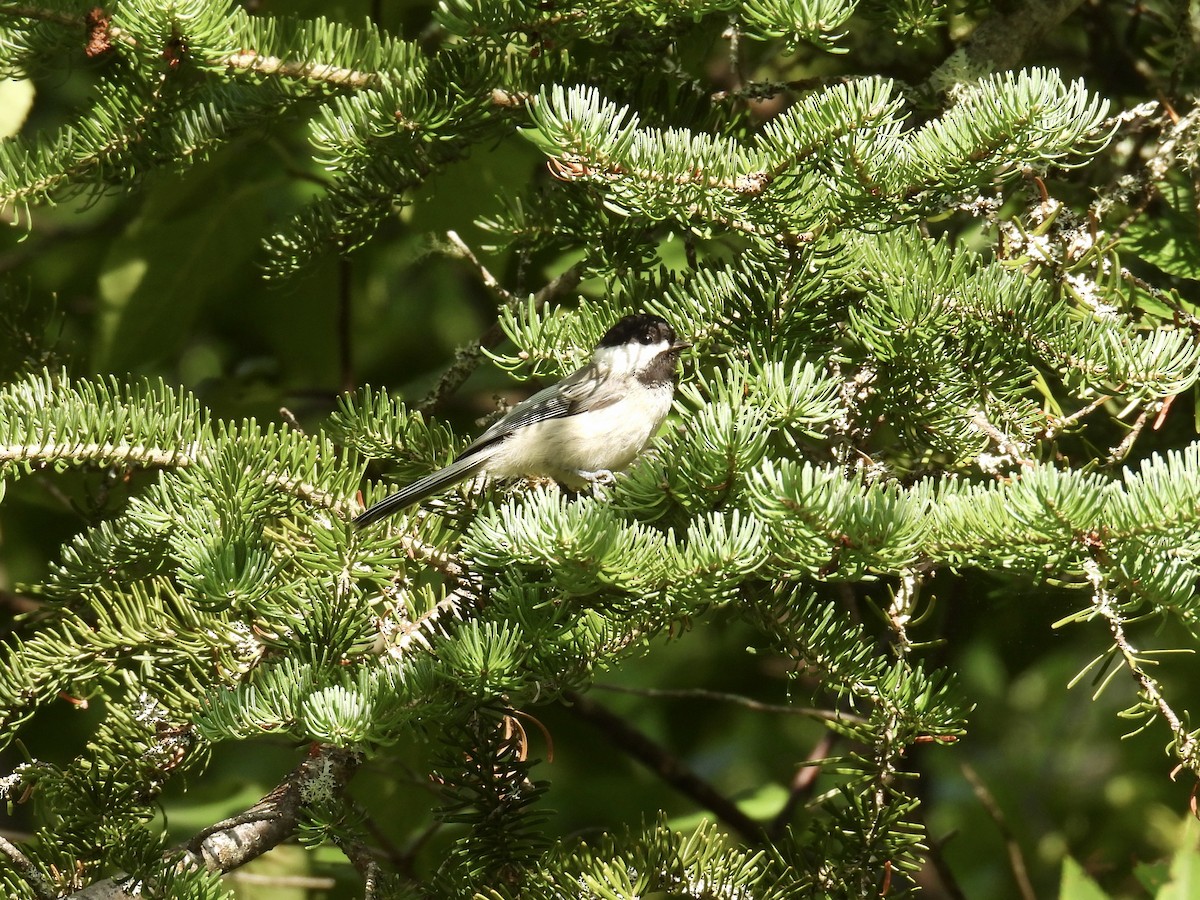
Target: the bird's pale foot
pixel 600 477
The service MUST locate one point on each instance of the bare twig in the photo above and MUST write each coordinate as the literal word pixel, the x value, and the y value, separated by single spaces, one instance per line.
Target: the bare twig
pixel 227 845
pixel 466 361
pixel 406 863
pixel 734 34
pixel 290 419
pixel 18 604
pixel 468 357
pixel 828 715
pixel 386 847
pixel 236 841
pixel 44 15
pixel 1181 316
pixel 1082 413
pixel 802 784
pixel 1122 449
pixel 489 280
pixel 1173 142
pixel 563 283
pixel 364 862
pixel 949 883
pixel 1016 859
pixel 30 873
pixel 664 764
pixel 765 90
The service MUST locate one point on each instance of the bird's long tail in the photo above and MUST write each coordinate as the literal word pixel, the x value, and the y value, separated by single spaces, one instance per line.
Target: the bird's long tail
pixel 459 470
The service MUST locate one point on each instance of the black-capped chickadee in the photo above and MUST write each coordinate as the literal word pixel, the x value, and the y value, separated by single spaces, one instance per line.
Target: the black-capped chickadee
pixel 593 422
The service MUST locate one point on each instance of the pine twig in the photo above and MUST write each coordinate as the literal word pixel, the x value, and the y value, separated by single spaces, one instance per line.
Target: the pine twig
pixel 264 64
pixel 46 452
pixel 102 35
pixel 436 557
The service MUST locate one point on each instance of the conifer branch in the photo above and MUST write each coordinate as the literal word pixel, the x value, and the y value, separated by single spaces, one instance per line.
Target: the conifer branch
pixel 1186 745
pixel 308 492
pixel 439 559
pixel 267 65
pixel 73 162
pixel 120 453
pixel 41 887
pixel 404 633
pixel 864 402
pixel 101 34
pixel 320 779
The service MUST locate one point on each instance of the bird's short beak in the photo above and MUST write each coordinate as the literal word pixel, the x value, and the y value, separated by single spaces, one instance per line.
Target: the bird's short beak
pixel 680 345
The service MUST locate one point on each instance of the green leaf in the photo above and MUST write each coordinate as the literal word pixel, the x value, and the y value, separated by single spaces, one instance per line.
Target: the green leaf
pixel 1167 239
pixel 1153 876
pixel 1185 867
pixel 1077 884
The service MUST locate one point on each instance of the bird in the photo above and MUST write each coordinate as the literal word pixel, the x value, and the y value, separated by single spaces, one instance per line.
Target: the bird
pixel 595 421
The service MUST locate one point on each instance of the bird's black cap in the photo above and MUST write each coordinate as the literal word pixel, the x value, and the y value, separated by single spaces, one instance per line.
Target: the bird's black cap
pixel 641 328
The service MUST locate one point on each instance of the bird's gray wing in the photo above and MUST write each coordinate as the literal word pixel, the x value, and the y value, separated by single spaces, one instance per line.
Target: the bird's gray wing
pixel 459 470
pixel 579 392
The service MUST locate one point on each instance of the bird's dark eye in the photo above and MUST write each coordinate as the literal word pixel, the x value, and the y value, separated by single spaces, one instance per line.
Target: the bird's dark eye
pixel 646 338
